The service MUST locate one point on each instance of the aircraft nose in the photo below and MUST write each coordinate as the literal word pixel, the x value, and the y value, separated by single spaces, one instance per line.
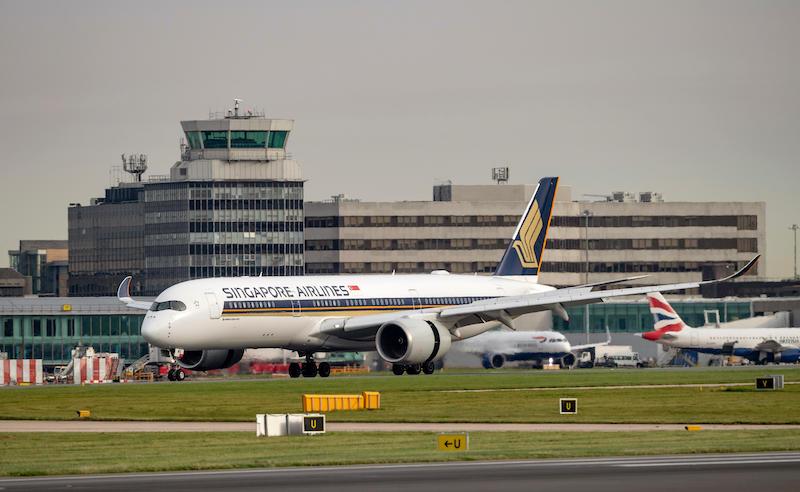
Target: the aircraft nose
pixel 152 332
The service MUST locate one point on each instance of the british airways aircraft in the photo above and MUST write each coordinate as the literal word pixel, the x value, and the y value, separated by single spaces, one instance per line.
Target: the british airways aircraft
pixel 411 320
pixel 495 348
pixel 760 345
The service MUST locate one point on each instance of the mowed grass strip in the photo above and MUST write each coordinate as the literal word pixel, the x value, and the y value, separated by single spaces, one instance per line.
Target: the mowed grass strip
pixel 70 453
pixel 430 398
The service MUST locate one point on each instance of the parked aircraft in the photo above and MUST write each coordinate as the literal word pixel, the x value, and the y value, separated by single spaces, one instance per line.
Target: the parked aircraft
pixel 411 320
pixel 760 345
pixel 495 348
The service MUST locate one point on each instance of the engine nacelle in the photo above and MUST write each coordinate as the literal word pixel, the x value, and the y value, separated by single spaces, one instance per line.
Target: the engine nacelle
pixel 412 341
pixel 493 361
pixel 208 360
pixel 568 360
pixel 788 356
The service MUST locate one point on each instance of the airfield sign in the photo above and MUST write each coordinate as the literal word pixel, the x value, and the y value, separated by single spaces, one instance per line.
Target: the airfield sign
pixel 453 442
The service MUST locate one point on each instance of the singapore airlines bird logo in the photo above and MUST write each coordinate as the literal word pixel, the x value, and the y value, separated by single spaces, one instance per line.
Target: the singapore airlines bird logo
pixel 528 233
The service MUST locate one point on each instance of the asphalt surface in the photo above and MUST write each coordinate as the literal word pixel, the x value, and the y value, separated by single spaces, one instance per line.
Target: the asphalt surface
pixel 156 426
pixel 731 473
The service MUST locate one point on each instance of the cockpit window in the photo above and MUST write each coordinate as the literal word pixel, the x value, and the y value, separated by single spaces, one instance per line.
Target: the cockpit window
pixel 173 305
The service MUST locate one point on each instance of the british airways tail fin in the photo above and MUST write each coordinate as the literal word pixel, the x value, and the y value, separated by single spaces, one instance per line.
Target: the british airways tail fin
pixel 665 317
pixel 524 254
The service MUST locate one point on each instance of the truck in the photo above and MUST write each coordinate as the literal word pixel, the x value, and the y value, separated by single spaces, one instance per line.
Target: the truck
pixel 617 356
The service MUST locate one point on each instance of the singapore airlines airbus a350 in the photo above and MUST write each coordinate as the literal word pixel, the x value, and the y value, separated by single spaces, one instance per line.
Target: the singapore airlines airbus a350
pixel 411 320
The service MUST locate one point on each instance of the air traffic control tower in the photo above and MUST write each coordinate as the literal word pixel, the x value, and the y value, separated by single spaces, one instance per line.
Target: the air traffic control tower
pixel 232 206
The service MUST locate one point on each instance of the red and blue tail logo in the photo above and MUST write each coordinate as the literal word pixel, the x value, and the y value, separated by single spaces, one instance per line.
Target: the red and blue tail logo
pixel 666 319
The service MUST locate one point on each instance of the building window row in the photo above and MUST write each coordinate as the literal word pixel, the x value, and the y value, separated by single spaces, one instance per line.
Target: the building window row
pixel 273 204
pixel 413 221
pixel 237 139
pixel 249 271
pixel 744 245
pixel 402 244
pixel 622 267
pixel 399 267
pixel 243 226
pixel 740 222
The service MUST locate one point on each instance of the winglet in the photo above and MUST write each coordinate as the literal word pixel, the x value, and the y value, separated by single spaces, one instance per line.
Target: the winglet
pixel 124 295
pixel 124 290
pixel 734 275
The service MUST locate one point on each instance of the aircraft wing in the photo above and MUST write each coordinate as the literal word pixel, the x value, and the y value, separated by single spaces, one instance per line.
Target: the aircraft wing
pixel 124 295
pixel 505 309
pixel 773 346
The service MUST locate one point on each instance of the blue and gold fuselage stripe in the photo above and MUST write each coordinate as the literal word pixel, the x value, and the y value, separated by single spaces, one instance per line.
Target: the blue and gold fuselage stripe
pixel 352 307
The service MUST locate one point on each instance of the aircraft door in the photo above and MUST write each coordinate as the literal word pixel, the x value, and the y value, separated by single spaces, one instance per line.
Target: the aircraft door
pixel 416 302
pixel 214 307
pixel 295 308
pixel 695 340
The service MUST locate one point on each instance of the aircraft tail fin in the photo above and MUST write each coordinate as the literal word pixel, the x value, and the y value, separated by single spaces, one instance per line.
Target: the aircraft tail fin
pixel 665 317
pixel 524 255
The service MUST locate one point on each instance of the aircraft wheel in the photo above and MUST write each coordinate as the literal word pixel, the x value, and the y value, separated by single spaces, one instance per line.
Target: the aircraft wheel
pixel 398 369
pixel 324 369
pixel 295 370
pixel 428 368
pixel 309 370
pixel 171 374
pixel 179 375
pixel 413 369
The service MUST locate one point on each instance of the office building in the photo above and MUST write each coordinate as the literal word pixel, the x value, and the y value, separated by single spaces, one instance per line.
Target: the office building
pixel 45 263
pixel 466 229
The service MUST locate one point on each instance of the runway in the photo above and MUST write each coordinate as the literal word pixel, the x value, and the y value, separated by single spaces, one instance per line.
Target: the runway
pixel 155 426
pixel 732 473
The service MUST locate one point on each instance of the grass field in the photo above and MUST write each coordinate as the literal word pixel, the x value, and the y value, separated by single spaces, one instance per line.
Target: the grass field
pixel 65 453
pixel 432 399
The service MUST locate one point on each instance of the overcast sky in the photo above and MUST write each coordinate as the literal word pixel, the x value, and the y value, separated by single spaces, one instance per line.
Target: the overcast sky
pixel 699 100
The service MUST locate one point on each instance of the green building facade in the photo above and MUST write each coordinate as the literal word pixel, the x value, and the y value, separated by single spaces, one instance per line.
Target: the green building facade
pixel 49 328
pixel 635 317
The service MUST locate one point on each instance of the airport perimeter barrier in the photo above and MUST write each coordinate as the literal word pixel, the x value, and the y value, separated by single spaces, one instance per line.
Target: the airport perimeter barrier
pixel 98 369
pixel 368 400
pixel 21 371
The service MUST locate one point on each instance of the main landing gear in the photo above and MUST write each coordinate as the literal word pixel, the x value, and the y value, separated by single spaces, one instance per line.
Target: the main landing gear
pixel 425 367
pixel 176 374
pixel 309 368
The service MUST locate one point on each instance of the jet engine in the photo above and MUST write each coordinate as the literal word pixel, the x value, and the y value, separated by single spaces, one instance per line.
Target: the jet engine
pixel 412 341
pixel 493 361
pixel 568 360
pixel 788 356
pixel 208 360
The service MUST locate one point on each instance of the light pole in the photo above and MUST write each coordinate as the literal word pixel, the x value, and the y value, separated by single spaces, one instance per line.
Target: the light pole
pixel 586 214
pixel 794 229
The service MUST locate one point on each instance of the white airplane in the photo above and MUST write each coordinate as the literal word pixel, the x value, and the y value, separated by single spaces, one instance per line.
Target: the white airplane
pixel 411 320
pixel 760 345
pixel 495 348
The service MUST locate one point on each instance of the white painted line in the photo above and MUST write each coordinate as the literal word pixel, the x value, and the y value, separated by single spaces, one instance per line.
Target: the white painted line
pixel 704 463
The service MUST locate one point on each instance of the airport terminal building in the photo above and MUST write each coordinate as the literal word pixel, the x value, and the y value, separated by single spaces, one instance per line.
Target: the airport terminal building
pixel 465 229
pixel 232 206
